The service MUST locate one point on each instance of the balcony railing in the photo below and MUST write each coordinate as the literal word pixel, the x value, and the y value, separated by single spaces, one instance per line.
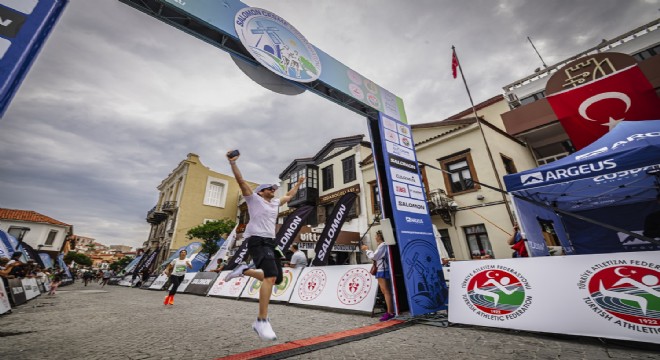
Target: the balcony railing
pixel 156 215
pixel 169 206
pixel 441 205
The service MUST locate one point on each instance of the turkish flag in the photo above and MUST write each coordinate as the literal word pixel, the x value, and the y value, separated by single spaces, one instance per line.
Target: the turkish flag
pixel 454 63
pixel 589 111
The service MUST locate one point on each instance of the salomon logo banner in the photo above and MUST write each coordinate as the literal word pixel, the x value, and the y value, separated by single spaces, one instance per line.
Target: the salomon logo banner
pixel 292 226
pixel 332 229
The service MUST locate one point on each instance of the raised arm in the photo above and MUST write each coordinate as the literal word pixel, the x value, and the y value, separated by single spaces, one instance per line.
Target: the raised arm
pixel 245 188
pixel 291 193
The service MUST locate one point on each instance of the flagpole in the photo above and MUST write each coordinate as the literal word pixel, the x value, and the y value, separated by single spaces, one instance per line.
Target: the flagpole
pixel 483 136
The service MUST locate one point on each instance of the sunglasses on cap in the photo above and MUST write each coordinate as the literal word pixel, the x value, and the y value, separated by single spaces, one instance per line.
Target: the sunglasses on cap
pixel 268 188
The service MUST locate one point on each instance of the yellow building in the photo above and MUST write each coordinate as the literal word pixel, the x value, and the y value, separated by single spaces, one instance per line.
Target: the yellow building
pixel 189 196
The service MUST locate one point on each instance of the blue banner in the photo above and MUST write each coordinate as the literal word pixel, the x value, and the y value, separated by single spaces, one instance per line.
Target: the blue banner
pixel 424 280
pixel 63 266
pixel 10 242
pixel 24 28
pixel 47 260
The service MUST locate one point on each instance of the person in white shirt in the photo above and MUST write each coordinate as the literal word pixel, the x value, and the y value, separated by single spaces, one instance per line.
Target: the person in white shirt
pixel 176 270
pixel 298 259
pixel 260 235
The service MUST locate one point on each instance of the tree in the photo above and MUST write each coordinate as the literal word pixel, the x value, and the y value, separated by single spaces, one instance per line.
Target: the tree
pixel 78 258
pixel 121 263
pixel 211 232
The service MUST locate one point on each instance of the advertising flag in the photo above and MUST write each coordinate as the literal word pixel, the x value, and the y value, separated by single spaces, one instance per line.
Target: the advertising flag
pixel 238 257
pixel 589 111
pixel 332 228
pixel 291 227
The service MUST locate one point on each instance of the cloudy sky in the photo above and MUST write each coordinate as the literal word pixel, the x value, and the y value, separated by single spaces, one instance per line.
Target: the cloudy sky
pixel 116 99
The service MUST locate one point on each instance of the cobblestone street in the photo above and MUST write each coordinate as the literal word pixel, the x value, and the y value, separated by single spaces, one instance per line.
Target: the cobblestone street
pixel 122 323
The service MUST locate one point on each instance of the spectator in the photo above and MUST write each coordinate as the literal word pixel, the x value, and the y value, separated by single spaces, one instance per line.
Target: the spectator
pixel 298 259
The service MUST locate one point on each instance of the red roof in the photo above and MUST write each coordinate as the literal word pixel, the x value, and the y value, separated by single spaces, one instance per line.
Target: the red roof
pixel 28 215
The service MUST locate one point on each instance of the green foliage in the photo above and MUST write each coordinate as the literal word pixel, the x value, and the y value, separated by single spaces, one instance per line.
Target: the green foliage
pixel 78 258
pixel 210 233
pixel 121 263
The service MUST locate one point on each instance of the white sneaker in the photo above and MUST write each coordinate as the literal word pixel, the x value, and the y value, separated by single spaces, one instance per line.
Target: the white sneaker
pixel 264 330
pixel 236 272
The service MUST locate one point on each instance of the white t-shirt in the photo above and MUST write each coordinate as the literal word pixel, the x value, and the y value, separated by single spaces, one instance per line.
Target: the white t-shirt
pixel 179 267
pixel 263 215
pixel 298 259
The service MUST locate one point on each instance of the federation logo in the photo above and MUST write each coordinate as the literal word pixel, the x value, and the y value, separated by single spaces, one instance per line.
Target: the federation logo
pixel 354 286
pixel 496 292
pixel 625 293
pixel 312 284
pixel 277 45
pixel 287 279
pixel 253 288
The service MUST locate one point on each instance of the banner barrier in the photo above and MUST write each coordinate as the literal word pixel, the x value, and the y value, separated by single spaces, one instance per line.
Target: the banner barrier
pixel 125 281
pixel 201 283
pixel 186 281
pixel 147 284
pixel 31 288
pixel 346 287
pixel 5 305
pixel 16 292
pixel 614 295
pixel 281 292
pixel 159 283
pixel 230 289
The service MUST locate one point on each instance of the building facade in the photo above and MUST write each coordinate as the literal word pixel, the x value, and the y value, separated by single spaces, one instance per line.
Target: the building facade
pixel 39 231
pixel 189 196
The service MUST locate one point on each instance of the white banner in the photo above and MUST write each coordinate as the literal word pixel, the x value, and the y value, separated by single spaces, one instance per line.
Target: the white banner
pixel 231 289
pixel 31 288
pixel 185 282
pixel 125 281
pixel 604 295
pixel 346 287
pixel 281 292
pixel 159 282
pixel 4 300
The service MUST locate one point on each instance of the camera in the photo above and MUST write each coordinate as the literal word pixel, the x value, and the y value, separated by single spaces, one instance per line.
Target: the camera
pixel 233 154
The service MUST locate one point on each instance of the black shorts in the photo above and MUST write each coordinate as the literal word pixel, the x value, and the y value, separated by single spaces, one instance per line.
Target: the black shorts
pixel 262 251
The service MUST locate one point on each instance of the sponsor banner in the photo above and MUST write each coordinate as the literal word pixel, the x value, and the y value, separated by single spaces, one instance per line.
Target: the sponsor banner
pixel 426 287
pixel 147 284
pixel 5 305
pixel 335 247
pixel 25 26
pixel 238 257
pixel 159 283
pixel 46 259
pixel 185 282
pixel 277 51
pixel 332 228
pixel 16 291
pixel 201 283
pixel 346 287
pixel 614 295
pixel 281 292
pixel 291 227
pixel 232 289
pixel 31 288
pixel 126 281
pixel 10 242
pixel 67 272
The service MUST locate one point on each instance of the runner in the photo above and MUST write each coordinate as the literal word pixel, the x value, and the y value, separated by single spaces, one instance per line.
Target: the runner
pixel 176 271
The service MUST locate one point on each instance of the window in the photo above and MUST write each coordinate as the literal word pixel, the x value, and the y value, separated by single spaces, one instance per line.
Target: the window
pixel 51 238
pixel 509 166
pixel 328 182
pixel 548 232
pixel 478 243
pixel 348 166
pixel 648 53
pixel 216 192
pixel 375 198
pixel 460 175
pixel 531 98
pixel 446 241
pixel 312 178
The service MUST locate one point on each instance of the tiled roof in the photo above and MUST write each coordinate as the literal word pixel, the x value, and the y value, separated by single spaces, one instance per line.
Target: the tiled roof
pixel 28 215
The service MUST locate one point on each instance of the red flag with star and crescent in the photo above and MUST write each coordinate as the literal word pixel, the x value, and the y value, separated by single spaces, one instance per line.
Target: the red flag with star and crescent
pixel 589 111
pixel 454 63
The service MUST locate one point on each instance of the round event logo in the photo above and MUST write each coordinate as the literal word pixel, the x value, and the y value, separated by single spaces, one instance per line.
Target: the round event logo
pixel 626 293
pixel 496 292
pixel 354 286
pixel 312 284
pixel 253 287
pixel 287 277
pixel 277 45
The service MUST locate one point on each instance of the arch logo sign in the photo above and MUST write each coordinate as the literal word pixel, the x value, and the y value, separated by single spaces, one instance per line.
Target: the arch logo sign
pixel 497 293
pixel 624 293
pixel 277 45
